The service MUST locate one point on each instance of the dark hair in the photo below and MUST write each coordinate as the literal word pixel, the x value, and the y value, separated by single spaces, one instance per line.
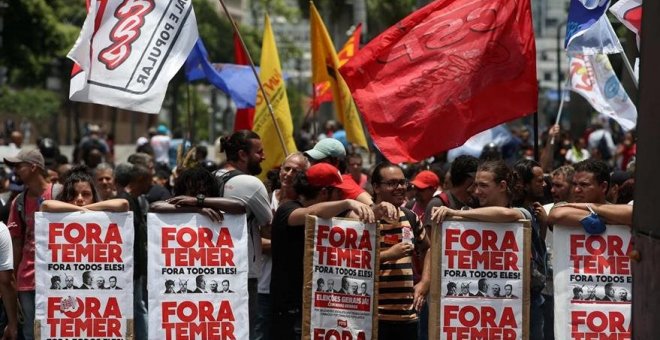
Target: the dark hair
pixel 140 158
pixel 194 181
pixel 626 192
pixel 125 173
pixel 77 174
pixel 377 176
pixel 481 284
pixel 501 172
pixel 239 140
pixel 523 169
pixel 462 168
pixel 302 187
pixel 599 168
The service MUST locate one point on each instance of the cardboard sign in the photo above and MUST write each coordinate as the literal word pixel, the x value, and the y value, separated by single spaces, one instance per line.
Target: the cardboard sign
pixel 341 264
pixel 479 287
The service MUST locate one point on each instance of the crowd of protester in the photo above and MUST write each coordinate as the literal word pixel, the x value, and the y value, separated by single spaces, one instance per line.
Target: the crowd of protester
pixel 574 179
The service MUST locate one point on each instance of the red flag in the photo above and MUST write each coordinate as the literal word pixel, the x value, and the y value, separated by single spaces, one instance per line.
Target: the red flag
pixel 445 73
pixel 244 117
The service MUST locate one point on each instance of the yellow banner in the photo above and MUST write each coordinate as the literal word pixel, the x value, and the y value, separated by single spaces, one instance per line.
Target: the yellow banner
pixel 271 78
pixel 325 67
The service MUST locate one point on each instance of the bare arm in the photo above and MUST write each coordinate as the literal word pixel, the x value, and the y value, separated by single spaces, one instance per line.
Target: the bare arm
pixel 113 205
pixel 330 210
pixel 55 206
pixel 228 205
pixel 610 213
pixel 164 207
pixel 8 292
pixel 485 214
pixel 365 198
pixel 568 216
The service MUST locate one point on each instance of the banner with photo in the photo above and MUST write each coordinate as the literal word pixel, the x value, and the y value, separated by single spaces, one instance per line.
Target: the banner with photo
pixel 480 285
pixel 198 273
pixel 341 263
pixel 593 283
pixel 84 275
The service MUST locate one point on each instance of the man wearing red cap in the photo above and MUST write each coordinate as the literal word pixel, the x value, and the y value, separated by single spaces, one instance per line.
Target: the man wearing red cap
pixel 425 184
pixel 29 166
pixel 320 193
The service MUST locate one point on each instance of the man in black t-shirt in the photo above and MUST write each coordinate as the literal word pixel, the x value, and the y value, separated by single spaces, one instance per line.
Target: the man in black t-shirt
pixel 320 189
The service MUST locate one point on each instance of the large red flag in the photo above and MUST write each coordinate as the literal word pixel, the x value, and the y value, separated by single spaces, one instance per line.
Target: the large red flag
pixel 244 117
pixel 444 73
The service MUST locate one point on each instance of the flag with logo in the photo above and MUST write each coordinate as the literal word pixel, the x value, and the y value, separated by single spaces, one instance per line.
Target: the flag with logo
pixel 244 119
pixel 273 83
pixel 588 31
pixel 445 73
pixel 325 67
pixel 237 81
pixel 593 78
pixel 128 51
pixel 629 12
pixel 323 91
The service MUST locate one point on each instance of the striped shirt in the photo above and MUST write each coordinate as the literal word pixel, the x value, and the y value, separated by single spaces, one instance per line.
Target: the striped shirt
pixel 396 287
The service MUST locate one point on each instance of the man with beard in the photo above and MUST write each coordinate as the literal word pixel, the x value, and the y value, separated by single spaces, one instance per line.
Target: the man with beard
pixel 68 281
pixel 590 185
pixel 528 191
pixel 237 180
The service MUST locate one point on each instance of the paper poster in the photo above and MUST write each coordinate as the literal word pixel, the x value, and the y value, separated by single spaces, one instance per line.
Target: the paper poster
pixel 340 270
pixel 198 273
pixel 479 290
pixel 84 275
pixel 593 283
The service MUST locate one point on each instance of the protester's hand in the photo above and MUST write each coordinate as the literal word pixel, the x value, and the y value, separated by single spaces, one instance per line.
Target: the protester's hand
pixel 10 333
pixel 421 289
pixel 182 201
pixel 386 211
pixel 214 215
pixel 364 212
pixel 400 250
pixel 439 214
pixel 554 131
pixel 540 213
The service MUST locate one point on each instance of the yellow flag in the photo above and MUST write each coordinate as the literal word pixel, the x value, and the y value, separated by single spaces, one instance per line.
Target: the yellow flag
pixel 271 78
pixel 325 67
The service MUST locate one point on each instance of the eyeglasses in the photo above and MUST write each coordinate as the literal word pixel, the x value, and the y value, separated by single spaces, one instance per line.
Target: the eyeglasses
pixel 392 184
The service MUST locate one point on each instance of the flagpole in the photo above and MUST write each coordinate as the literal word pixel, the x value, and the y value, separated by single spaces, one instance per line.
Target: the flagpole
pixel 630 69
pixel 561 105
pixel 256 75
pixel 189 99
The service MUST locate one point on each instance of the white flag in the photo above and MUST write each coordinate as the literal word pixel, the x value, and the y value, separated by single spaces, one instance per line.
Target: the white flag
pixel 128 51
pixel 593 78
pixel 629 12
pixel 588 30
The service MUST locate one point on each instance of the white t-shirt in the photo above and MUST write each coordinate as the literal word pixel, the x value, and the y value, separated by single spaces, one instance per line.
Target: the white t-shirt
pixel 252 192
pixel 161 146
pixel 266 260
pixel 6 249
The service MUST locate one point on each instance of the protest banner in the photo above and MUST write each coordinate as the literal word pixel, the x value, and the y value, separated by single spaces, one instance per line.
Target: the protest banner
pixel 341 263
pixel 480 285
pixel 84 275
pixel 593 283
pixel 197 277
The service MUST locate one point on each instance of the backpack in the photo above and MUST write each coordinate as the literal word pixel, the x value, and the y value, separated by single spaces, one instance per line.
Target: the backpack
pixel 224 178
pixel 55 191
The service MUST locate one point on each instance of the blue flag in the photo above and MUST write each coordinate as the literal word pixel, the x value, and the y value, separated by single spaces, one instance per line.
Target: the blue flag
pixel 238 81
pixel 588 31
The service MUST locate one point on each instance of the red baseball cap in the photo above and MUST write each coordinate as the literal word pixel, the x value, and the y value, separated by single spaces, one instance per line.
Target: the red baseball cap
pixel 325 175
pixel 425 179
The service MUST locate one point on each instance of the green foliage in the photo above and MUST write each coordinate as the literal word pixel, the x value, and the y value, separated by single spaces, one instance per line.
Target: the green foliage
pixel 383 14
pixel 32 103
pixel 276 8
pixel 36 32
